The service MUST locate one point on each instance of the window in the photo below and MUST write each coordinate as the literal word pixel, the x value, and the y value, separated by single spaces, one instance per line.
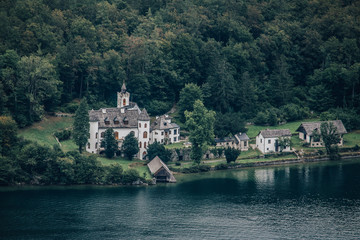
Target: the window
pixel 145 135
pixel 174 139
pixel 102 134
pixel 162 140
pixel 162 133
pixel 267 149
pixel 139 125
pixel 144 144
pixel 261 140
pixel 96 135
pixel 124 102
pixel 269 141
pixel 96 145
pixel 144 153
pixel 145 125
pixel 245 143
pixel 156 133
pixel 88 145
pixel 175 132
pixel 116 135
pixel 139 144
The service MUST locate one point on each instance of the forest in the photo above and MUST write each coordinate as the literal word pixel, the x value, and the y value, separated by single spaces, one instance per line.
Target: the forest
pixel 265 61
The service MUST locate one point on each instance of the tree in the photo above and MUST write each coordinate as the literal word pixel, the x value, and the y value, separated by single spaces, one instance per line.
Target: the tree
pixel 157 149
pixel 284 143
pixel 228 123
pixel 231 154
pixel 8 135
pixel 188 95
pixel 109 143
pixel 330 139
pixel 81 125
pixel 200 123
pixel 130 146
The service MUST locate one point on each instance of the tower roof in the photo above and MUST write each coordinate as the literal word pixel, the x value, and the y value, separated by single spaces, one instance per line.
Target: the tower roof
pixel 144 116
pixel 123 88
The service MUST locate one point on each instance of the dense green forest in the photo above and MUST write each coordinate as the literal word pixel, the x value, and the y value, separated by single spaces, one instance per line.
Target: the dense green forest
pixel 262 60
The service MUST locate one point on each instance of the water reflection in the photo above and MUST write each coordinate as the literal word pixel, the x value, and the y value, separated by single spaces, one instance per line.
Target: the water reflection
pixel 311 201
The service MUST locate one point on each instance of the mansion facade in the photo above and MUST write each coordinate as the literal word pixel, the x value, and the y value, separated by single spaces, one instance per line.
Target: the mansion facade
pixel 124 119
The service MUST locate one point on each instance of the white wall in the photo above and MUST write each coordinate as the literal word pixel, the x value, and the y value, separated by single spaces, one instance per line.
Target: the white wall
pixel 144 126
pixel 265 146
pixel 92 138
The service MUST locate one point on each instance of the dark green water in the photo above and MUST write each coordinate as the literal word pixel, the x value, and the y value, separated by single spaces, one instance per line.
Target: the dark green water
pixel 313 201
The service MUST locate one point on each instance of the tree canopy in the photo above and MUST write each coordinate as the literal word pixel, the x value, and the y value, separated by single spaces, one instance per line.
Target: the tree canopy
pixel 244 56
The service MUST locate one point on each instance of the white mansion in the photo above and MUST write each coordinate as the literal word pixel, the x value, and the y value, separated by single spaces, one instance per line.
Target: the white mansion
pixel 125 118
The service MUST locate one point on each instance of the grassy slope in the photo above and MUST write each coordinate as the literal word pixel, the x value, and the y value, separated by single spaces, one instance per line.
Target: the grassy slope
pixel 42 132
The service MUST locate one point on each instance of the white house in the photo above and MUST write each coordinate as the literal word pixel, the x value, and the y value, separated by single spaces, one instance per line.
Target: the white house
pixel 268 140
pixel 164 131
pixel 239 141
pixel 307 129
pixel 125 118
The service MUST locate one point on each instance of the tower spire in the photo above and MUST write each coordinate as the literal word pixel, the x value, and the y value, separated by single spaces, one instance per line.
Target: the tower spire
pixel 123 88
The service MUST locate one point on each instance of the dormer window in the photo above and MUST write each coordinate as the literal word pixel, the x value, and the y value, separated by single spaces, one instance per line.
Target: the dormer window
pixel 165 123
pixel 107 121
pixel 116 120
pixel 125 121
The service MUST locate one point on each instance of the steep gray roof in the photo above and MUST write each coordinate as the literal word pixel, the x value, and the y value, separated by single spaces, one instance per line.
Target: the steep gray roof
pixel 156 164
pixel 275 133
pixel 242 136
pixel 161 124
pixel 144 116
pixel 309 127
pixel 111 114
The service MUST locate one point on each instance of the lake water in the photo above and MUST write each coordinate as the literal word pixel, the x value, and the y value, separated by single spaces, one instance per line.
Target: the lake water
pixel 311 201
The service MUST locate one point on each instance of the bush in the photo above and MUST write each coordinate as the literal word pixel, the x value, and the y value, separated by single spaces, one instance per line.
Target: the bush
pixel 356 148
pixel 261 118
pixel 196 169
pixel 130 176
pixel 70 107
pixel 178 163
pixel 63 135
pixel 221 166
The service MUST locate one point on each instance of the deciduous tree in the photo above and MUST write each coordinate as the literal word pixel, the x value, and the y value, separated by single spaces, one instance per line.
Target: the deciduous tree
pixel 130 146
pixel 81 125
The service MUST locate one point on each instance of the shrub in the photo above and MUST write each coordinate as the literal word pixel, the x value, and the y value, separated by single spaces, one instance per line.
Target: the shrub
pixel 231 154
pixel 178 163
pixel 221 166
pixel 356 148
pixel 130 176
pixel 196 169
pixel 63 135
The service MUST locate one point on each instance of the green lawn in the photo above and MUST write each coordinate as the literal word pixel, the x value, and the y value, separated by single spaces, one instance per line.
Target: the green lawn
pixel 139 165
pixel 175 145
pixel 351 139
pixel 42 131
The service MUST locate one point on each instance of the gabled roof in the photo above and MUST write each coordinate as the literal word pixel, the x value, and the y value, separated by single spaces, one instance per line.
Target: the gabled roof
pixel 269 133
pixel 242 136
pixel 130 115
pixel 163 123
pixel 309 127
pixel 156 165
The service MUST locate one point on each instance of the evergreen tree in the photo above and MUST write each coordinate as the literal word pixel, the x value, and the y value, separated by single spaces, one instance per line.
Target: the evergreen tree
pixel 81 125
pixel 188 95
pixel 231 154
pixel 130 146
pixel 200 123
pixel 109 143
pixel 8 135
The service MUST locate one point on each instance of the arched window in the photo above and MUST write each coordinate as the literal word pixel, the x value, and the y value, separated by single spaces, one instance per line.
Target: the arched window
pixel 102 134
pixel 145 125
pixel 116 135
pixel 144 144
pixel 144 153
pixel 139 124
pixel 145 135
pixel 139 144
pixel 124 102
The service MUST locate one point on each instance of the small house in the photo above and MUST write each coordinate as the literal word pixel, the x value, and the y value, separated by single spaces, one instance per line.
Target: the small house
pixel 160 171
pixel 239 141
pixel 308 130
pixel 268 140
